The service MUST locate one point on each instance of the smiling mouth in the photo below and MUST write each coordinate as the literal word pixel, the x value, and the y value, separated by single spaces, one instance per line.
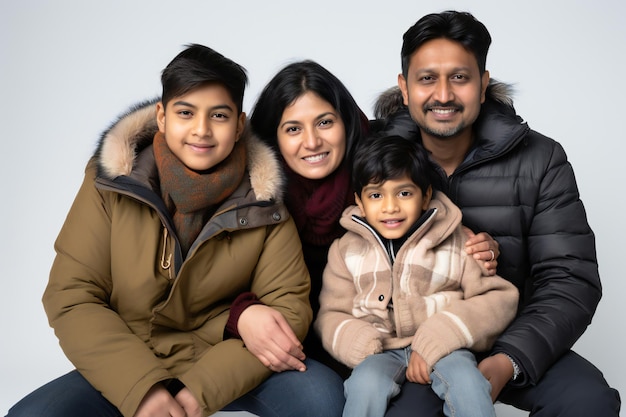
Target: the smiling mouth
pixel 316 158
pixel 443 111
pixel 200 146
pixel 392 222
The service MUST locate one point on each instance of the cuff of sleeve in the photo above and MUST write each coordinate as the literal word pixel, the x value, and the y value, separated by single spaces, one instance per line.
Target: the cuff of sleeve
pixel 243 301
pixel 174 386
pixel 516 370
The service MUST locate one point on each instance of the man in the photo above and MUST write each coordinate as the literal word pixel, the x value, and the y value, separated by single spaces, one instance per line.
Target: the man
pixel 518 186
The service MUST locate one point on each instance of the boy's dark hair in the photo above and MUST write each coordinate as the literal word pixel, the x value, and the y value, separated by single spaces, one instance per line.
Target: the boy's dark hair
pixel 460 27
pixel 198 65
pixel 380 158
pixel 292 82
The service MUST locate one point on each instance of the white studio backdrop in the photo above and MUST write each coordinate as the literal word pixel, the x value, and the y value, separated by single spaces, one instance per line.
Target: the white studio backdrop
pixel 69 67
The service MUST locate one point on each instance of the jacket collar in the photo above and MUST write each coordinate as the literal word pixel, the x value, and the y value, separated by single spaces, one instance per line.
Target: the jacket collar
pixel 121 146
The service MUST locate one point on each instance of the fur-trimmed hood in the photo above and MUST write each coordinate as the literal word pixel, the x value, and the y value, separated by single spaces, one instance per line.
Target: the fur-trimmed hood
pixel 134 131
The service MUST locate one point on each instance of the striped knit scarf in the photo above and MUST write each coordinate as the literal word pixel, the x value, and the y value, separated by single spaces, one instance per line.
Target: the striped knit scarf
pixel 191 196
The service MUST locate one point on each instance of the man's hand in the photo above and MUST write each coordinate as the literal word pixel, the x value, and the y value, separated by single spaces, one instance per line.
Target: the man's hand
pixel 483 248
pixel 418 371
pixel 159 403
pixel 498 370
pixel 268 336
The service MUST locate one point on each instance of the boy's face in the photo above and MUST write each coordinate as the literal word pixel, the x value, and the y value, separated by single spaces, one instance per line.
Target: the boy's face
pixel 202 126
pixel 393 206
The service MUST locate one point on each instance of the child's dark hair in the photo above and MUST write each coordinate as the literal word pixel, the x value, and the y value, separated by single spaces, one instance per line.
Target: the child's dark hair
pixel 198 65
pixel 380 158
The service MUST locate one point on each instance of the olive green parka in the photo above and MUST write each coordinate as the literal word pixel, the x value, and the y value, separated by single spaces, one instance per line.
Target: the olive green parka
pixel 130 311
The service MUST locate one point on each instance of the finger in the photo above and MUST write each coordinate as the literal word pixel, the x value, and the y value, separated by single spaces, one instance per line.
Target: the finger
pixel 283 360
pixel 295 348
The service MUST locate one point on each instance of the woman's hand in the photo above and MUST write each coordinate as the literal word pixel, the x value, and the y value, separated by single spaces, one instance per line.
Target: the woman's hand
pixel 483 247
pixel 268 336
pixel 159 403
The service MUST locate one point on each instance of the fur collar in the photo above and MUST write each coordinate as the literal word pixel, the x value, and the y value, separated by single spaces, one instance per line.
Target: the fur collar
pixel 134 130
pixel 390 100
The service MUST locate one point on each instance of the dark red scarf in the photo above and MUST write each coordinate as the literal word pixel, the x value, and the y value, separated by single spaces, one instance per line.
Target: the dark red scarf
pixel 190 196
pixel 316 205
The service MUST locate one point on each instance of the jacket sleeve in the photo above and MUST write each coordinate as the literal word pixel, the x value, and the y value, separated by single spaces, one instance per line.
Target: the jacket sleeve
pixel 487 306
pixel 77 302
pixel 346 338
pixel 280 280
pixel 564 286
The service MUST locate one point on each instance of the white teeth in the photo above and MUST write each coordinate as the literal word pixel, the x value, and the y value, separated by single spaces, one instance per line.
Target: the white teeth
pixel 315 158
pixel 443 111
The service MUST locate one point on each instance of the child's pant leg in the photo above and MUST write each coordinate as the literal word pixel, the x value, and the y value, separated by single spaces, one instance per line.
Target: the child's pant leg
pixel 463 388
pixel 374 382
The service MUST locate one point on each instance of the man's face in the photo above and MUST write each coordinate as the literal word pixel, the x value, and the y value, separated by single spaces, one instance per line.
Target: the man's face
pixel 443 89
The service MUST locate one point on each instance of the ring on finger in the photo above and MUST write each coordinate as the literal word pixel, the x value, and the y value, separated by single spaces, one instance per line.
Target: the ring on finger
pixel 493 255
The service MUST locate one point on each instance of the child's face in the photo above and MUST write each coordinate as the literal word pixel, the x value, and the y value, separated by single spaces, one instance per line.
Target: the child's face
pixel 393 206
pixel 202 126
pixel 312 137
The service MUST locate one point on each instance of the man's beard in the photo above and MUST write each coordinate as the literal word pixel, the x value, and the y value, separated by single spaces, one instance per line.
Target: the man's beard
pixel 443 131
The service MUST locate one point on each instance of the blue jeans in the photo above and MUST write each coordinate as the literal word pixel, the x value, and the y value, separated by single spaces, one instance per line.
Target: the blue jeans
pixel 314 393
pixel 572 387
pixel 455 379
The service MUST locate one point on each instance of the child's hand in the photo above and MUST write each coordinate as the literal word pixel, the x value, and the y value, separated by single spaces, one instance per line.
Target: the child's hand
pixel 418 370
pixel 159 403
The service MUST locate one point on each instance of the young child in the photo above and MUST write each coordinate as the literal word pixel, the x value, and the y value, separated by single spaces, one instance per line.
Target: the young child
pixel 400 296
pixel 177 232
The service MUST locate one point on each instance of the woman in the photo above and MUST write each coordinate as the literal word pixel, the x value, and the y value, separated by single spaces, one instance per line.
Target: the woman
pixel 312 120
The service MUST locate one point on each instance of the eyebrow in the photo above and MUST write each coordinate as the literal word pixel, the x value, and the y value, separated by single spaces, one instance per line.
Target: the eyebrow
pixel 321 116
pixel 454 70
pixel 187 104
pixel 398 187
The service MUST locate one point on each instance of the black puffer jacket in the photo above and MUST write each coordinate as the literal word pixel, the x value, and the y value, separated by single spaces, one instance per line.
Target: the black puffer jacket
pixel 518 186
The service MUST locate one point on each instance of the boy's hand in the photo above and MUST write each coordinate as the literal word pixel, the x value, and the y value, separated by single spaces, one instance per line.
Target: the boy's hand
pixel 483 247
pixel 498 370
pixel 268 336
pixel 418 371
pixel 159 403
pixel 189 403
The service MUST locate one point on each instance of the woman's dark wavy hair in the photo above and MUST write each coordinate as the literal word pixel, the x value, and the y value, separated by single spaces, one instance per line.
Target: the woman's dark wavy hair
pixel 461 27
pixel 292 82
pixel 379 158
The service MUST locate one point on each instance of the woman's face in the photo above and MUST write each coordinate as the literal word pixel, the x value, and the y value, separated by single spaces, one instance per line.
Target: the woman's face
pixel 312 137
